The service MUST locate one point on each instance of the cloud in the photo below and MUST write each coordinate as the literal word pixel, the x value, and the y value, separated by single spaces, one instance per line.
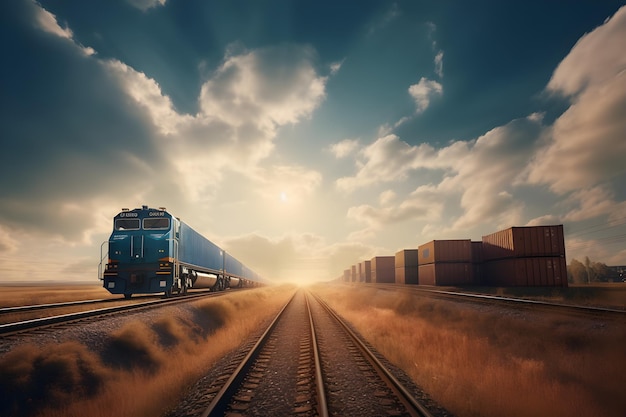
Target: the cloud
pixel 481 175
pixel 344 148
pixel 423 203
pixel 389 159
pixel 269 87
pixel 48 22
pixel 439 64
pixel 130 142
pixel 587 145
pixel 145 5
pixel 423 92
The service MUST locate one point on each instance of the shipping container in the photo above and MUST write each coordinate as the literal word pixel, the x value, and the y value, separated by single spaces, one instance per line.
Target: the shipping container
pixel 353 277
pixel 383 269
pixel 347 275
pixel 526 272
pixel 365 271
pixel 446 273
pixel 406 257
pixel 459 250
pixel 528 241
pixel 407 275
pixel 477 252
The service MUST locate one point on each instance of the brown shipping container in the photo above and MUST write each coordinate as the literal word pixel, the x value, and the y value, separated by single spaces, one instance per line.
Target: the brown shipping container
pixel 347 275
pixel 406 257
pixel 527 272
pixel 366 271
pixel 446 273
pixel 459 250
pixel 477 252
pixel 525 241
pixel 383 269
pixel 406 275
pixel 353 277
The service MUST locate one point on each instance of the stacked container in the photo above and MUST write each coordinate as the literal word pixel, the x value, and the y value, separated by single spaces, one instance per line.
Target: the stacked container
pixel 477 262
pixel 383 269
pixel 353 277
pixel 445 262
pixel 406 267
pixel 347 275
pixel 525 256
pixel 365 269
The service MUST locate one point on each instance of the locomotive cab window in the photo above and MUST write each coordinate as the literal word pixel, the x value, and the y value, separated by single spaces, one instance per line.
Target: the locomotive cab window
pixel 126 224
pixel 156 223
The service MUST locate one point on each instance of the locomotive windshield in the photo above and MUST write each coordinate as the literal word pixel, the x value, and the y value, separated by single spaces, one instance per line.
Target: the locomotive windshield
pixel 126 224
pixel 156 223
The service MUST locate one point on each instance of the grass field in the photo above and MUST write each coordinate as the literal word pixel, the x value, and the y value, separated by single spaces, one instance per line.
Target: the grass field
pixel 486 361
pixel 12 295
pixel 142 369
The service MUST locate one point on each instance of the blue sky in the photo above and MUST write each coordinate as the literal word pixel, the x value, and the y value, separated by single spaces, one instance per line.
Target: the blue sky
pixel 306 136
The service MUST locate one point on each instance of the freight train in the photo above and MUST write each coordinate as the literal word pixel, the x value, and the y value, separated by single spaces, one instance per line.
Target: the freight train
pixel 151 251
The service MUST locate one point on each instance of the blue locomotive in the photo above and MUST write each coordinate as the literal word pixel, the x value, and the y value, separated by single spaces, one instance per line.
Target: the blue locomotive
pixel 151 251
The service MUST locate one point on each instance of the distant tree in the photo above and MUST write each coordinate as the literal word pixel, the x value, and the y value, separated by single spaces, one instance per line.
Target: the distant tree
pixel 579 273
pixel 576 272
pixel 588 269
pixel 600 271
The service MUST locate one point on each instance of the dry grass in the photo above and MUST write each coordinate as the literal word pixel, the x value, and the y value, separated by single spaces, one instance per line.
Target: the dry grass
pixel 142 370
pixel 21 295
pixel 489 362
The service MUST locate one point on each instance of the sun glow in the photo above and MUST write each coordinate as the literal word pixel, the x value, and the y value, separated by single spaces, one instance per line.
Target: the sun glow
pixel 283 196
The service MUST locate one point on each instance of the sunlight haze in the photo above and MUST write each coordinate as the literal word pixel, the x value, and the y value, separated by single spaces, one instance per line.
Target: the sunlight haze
pixel 306 136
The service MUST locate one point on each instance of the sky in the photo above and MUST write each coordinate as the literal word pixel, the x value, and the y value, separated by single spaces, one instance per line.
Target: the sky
pixel 306 136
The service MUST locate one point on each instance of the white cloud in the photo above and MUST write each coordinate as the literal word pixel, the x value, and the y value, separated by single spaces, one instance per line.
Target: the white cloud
pixel 423 92
pixel 423 203
pixel 389 159
pixel 147 92
pixel 48 22
pixel 587 146
pixel 335 67
pixel 267 87
pixel 439 64
pixel 144 5
pixel 481 175
pixel 344 148
pixel 242 105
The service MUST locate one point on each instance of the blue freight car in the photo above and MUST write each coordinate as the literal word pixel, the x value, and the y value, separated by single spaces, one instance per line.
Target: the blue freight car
pixel 151 251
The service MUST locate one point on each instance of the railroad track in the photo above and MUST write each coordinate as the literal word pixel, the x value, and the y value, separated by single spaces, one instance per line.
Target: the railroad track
pixel 508 301
pixel 18 327
pixel 306 363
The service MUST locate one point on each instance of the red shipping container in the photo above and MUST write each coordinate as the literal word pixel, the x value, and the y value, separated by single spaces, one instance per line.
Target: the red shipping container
pixel 383 269
pixel 446 273
pixel 406 257
pixel 459 250
pixel 530 271
pixel 526 241
pixel 407 275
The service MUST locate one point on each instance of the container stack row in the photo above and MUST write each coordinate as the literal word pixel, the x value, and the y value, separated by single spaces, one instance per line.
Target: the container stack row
pixel 517 256
pixel 525 256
